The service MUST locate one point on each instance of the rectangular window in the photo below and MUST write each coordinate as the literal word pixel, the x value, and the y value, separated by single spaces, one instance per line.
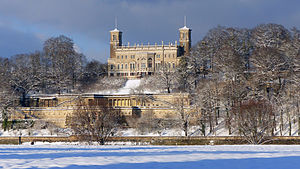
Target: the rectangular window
pixel 118 57
pixel 125 56
pixel 122 57
pixel 157 56
pixel 143 65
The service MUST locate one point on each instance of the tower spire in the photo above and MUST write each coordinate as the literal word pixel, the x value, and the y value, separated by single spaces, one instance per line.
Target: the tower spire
pixel 184 20
pixel 116 22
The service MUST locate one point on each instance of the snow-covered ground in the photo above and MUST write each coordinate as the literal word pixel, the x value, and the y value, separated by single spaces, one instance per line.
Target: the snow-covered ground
pixel 35 132
pixel 130 87
pixel 145 157
pixel 220 130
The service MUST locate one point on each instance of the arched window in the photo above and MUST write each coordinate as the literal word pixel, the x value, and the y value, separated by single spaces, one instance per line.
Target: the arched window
pixel 150 62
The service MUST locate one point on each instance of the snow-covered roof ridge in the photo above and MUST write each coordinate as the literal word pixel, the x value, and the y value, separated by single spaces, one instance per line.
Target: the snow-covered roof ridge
pixel 115 30
pixel 184 28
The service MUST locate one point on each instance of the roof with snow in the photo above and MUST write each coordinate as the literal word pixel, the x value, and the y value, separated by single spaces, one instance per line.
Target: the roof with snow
pixel 184 28
pixel 115 30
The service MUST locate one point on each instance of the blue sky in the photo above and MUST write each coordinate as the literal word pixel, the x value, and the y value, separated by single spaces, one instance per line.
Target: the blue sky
pixel 26 24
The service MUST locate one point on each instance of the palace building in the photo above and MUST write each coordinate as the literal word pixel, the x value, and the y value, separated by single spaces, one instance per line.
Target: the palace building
pixel 139 60
pixel 58 108
pixel 128 61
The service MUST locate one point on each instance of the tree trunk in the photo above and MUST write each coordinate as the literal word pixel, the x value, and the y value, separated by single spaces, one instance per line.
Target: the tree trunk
pixel 203 128
pixel 281 123
pixel 298 113
pixel 274 125
pixel 216 116
pixel 228 122
pixel 185 125
pixel 290 124
pixel 210 124
pixel 298 126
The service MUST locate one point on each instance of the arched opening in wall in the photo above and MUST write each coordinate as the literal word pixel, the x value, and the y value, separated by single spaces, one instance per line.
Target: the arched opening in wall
pixel 150 63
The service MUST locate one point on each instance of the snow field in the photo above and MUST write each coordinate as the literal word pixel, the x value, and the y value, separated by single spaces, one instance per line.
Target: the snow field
pixel 145 157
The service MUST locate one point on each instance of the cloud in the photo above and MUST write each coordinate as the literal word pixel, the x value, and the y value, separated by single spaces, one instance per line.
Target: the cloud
pixel 88 22
pixel 14 42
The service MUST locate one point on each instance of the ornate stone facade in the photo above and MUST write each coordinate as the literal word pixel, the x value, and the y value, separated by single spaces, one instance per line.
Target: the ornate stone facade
pixel 58 108
pixel 140 60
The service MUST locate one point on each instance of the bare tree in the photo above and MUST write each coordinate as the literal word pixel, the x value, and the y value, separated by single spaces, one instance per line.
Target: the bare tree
pixel 183 75
pixel 26 74
pixel 253 119
pixel 94 122
pixel 270 35
pixel 65 65
pixel 92 72
pixel 8 95
pixel 165 77
pixel 184 114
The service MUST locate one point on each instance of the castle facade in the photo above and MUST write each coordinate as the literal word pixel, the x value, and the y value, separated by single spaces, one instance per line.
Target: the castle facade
pixel 140 60
pixel 59 108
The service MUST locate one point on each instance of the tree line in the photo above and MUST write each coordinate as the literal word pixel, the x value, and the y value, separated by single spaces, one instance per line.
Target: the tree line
pixel 249 78
pixel 57 69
